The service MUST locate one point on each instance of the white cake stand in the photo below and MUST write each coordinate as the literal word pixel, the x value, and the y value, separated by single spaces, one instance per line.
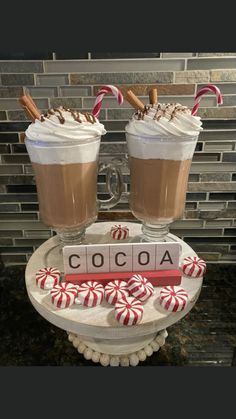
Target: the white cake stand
pixel 94 331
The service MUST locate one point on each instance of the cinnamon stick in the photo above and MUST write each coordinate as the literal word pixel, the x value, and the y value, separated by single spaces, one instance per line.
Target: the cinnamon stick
pixel 153 96
pixel 32 101
pixel 30 107
pixel 134 100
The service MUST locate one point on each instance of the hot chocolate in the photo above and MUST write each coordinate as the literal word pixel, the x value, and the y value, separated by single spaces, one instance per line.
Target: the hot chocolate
pixel 159 169
pixel 161 139
pixel 63 147
pixel 73 203
pixel 158 188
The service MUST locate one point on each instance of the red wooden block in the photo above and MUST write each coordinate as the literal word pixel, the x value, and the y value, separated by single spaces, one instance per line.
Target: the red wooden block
pixel 157 278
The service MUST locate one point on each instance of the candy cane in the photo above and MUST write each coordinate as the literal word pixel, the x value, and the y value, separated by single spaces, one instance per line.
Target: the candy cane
pixel 103 91
pixel 203 91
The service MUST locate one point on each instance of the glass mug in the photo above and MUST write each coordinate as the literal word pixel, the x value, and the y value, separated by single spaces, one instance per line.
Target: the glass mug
pixel 66 180
pixel 159 170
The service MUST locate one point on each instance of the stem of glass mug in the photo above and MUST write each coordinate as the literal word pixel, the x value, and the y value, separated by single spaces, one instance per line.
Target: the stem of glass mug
pixel 154 232
pixel 71 237
pixel 112 170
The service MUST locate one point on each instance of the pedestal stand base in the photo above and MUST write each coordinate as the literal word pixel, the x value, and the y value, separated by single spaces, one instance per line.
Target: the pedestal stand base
pixel 130 359
pixel 94 332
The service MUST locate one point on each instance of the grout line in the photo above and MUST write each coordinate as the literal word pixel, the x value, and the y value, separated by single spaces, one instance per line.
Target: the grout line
pixel 58 89
pixel 209 75
pixel 7 115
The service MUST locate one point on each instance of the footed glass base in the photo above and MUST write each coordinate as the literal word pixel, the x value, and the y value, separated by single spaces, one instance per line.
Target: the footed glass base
pixel 71 237
pixel 63 238
pixel 154 232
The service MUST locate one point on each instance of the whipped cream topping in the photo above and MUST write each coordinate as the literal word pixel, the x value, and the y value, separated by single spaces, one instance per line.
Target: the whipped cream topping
pixel 63 124
pixel 142 147
pixel 164 119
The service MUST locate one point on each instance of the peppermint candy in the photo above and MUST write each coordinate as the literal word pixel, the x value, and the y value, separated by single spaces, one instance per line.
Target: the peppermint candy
pixel 90 293
pixel 63 295
pixel 115 290
pixel 47 278
pixel 119 232
pixel 140 287
pixel 128 311
pixel 148 287
pixel 173 298
pixel 194 266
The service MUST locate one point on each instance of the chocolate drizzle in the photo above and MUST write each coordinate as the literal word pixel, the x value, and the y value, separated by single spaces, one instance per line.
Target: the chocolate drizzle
pixel 89 117
pixel 168 111
pixel 76 115
pixel 140 114
pixel 60 116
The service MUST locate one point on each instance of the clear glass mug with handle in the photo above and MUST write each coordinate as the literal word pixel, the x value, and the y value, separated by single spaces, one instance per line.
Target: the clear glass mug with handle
pixel 159 170
pixel 66 180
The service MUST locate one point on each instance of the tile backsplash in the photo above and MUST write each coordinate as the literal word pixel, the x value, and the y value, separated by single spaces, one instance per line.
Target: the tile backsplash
pixel 73 80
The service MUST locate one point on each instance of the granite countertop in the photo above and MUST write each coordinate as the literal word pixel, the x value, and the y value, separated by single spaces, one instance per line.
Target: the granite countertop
pixel 205 337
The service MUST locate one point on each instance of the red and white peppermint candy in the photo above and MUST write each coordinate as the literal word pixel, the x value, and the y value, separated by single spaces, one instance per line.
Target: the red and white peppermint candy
pixel 90 293
pixel 63 294
pixel 119 232
pixel 136 286
pixel 47 278
pixel 109 88
pixel 173 298
pixel 128 311
pixel 115 290
pixel 140 287
pixel 194 266
pixel 149 289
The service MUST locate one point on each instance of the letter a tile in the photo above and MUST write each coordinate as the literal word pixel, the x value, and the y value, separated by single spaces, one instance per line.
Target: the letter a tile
pixel 167 256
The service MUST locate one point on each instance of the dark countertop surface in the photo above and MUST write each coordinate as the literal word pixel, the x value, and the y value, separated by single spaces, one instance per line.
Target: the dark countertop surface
pixel 205 337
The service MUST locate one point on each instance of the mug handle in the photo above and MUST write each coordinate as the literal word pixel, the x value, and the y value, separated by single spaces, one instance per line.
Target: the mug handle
pixel 114 188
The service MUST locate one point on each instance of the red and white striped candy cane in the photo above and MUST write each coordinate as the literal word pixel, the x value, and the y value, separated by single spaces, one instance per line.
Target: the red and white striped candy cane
pixel 206 89
pixel 109 88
